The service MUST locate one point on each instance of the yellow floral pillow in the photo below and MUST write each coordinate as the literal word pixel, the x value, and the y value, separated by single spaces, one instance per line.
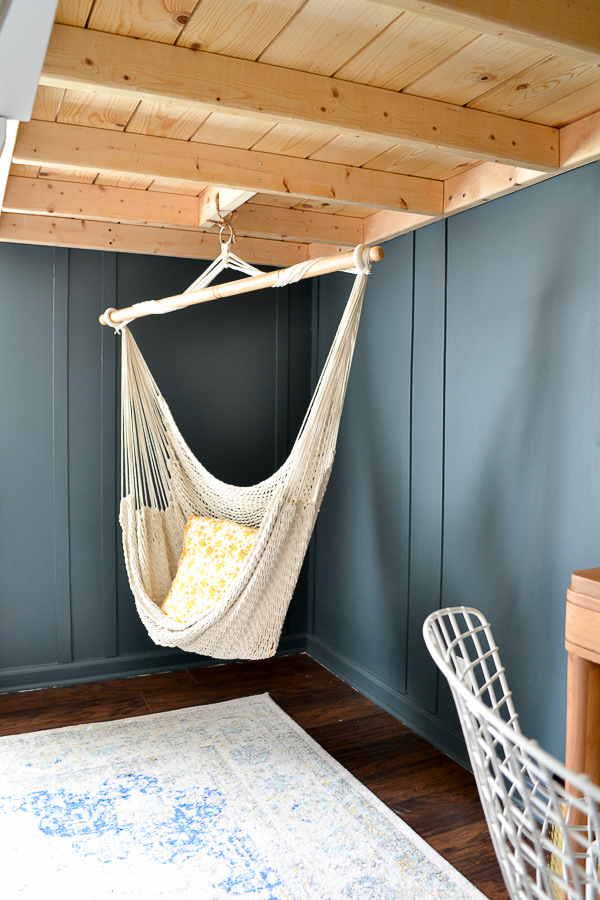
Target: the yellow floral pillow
pixel 214 550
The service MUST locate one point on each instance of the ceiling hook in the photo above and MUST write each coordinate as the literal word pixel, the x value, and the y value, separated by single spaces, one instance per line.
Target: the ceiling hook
pixel 225 226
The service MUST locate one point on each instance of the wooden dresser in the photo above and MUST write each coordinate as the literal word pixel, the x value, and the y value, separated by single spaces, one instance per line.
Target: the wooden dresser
pixel 582 641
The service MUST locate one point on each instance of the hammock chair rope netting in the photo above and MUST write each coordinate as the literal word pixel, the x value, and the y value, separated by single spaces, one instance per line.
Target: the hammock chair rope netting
pixel 163 485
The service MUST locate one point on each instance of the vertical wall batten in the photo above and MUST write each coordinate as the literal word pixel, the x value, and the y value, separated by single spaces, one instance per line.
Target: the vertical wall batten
pixel 109 454
pixel 282 324
pixel 281 404
pixel 443 692
pixel 314 376
pixel 60 455
pixel 410 444
pixel 427 417
pixel 28 563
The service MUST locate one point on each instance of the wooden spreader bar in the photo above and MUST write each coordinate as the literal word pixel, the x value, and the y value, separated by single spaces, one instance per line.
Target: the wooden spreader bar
pixel 322 266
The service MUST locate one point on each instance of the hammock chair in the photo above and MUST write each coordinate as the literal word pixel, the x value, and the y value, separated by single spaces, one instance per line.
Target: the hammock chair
pixel 163 485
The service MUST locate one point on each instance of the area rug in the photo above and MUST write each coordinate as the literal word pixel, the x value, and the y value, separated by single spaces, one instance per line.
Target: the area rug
pixel 228 800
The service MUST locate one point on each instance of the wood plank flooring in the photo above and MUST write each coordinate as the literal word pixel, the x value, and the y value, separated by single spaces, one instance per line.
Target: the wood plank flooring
pixel 433 794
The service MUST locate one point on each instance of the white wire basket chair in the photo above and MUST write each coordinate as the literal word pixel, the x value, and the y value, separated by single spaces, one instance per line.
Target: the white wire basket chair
pixel 543 819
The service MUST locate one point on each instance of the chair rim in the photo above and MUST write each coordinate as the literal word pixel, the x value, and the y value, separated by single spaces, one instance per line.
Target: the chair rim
pixel 578 781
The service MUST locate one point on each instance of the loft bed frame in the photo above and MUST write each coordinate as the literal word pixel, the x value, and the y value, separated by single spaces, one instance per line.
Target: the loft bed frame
pixel 311 126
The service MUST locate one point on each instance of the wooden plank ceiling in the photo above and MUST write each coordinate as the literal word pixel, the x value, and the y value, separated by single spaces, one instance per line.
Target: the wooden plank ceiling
pixel 317 124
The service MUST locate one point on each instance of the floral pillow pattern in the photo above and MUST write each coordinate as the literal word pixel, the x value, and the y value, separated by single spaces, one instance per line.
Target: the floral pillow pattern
pixel 214 551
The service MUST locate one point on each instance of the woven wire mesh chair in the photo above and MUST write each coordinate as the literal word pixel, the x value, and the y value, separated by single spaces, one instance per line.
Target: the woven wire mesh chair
pixel 543 819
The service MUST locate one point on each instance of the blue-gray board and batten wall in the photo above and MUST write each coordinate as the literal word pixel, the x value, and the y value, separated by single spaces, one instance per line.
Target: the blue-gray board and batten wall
pixel 468 463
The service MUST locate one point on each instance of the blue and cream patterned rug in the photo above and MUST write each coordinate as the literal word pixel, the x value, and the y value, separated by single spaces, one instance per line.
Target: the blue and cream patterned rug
pixel 228 800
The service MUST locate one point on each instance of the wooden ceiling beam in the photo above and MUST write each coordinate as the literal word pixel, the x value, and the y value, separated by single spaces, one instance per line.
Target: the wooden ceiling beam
pixel 117 65
pixel 580 142
pixel 257 220
pixel 230 200
pixel 570 29
pixel 93 202
pixel 82 233
pixel 219 202
pixel 384 225
pixel 464 191
pixel 485 182
pixel 100 150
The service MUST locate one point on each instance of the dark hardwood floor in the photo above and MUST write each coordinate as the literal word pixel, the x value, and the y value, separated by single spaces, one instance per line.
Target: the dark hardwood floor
pixel 433 794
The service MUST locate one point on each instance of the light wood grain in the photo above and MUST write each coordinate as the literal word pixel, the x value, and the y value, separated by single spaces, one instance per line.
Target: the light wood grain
pixel 154 20
pixel 54 232
pixel 118 179
pixel 47 103
pixel 313 106
pixel 384 225
pixel 571 29
pixel 73 12
pixel 583 716
pixel 163 120
pixel 322 37
pixel 536 87
pixel 580 141
pixel 297 225
pixel 24 171
pixel 222 130
pixel 485 182
pixel 293 140
pixel 242 28
pixel 95 110
pixel 67 173
pixel 582 630
pixel 152 71
pixel 577 105
pixel 96 202
pixel 474 70
pixel 427 163
pixel 404 51
pixel 47 143
pixel 352 149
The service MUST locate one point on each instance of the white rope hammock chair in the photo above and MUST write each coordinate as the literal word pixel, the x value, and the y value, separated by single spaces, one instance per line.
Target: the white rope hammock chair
pixel 163 484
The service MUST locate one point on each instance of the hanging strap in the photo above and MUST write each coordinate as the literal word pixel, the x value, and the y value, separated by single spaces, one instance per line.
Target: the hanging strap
pixel 226 260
